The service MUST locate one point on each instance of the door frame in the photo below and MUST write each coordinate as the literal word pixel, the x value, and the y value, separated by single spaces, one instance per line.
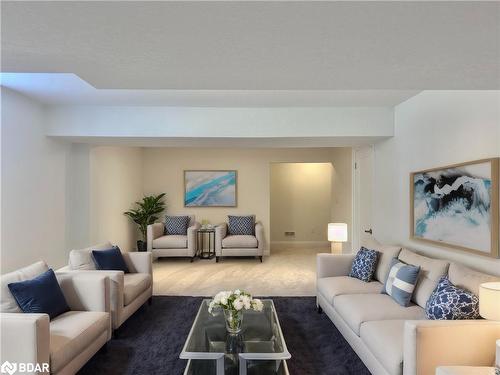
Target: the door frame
pixel 356 226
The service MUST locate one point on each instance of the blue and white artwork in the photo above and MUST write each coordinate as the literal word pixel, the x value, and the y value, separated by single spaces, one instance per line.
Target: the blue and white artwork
pixel 453 206
pixel 210 188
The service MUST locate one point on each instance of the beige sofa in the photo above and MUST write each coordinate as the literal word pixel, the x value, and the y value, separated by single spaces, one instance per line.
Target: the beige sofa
pixel 239 245
pixel 128 291
pixel 391 339
pixel 162 245
pixel 66 342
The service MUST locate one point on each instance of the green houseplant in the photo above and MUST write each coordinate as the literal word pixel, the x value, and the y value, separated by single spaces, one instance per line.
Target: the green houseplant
pixel 145 213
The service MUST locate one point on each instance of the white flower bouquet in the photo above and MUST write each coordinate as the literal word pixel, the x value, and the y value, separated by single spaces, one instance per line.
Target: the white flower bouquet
pixel 233 303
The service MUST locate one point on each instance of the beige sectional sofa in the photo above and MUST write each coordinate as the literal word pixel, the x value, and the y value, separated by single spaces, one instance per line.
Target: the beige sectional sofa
pixel 128 291
pixel 394 340
pixel 69 340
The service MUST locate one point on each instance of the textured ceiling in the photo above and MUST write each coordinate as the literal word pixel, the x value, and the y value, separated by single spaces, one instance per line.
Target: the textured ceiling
pixel 257 45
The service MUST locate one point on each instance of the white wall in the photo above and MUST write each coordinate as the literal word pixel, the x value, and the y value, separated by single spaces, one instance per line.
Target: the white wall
pixel 163 172
pixel 115 184
pixel 33 187
pixel 216 122
pixel 432 129
pixel 301 195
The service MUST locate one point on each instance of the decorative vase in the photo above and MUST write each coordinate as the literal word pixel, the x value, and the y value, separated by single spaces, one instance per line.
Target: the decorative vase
pixel 233 319
pixel 142 246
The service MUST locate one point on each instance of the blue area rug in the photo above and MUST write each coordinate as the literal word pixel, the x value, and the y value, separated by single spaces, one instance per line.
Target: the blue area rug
pixel 151 340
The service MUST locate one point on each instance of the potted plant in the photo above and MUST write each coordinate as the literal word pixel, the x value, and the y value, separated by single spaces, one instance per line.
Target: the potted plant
pixel 146 213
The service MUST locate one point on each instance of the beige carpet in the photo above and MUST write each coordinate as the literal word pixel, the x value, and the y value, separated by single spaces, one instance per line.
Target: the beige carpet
pixel 290 272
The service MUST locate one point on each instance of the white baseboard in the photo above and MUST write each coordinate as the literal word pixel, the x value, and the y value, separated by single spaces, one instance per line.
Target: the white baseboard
pixel 299 244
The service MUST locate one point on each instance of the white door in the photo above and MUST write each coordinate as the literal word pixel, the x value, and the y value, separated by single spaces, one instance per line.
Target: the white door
pixel 363 188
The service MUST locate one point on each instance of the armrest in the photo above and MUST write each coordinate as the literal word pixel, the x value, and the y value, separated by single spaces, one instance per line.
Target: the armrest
pixel 115 284
pixel 191 237
pixel 432 343
pixel 25 338
pixel 259 234
pixel 220 234
pixel 139 262
pixel 330 265
pixel 153 232
pixel 85 292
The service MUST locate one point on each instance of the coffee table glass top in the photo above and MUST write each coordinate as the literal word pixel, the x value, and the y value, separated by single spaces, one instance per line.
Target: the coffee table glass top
pixel 260 339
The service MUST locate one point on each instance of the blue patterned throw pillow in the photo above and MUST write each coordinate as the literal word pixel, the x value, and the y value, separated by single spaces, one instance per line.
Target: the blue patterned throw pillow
pixel 401 281
pixel 447 302
pixel 176 225
pixel 241 225
pixel 364 264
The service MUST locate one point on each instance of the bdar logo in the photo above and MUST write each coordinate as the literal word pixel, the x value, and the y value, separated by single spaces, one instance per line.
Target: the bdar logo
pixel 8 368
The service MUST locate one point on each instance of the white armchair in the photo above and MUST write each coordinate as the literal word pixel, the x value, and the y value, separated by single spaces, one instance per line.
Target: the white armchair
pixel 239 245
pixel 64 344
pixel 164 245
pixel 128 291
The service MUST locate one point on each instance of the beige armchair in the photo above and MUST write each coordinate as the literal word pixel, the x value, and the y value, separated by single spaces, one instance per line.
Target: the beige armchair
pixel 65 343
pixel 164 245
pixel 128 291
pixel 239 245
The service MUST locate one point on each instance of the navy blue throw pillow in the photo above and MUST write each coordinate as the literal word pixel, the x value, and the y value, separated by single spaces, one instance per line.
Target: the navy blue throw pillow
pixel 40 295
pixel 364 264
pixel 448 302
pixel 110 260
pixel 241 225
pixel 176 225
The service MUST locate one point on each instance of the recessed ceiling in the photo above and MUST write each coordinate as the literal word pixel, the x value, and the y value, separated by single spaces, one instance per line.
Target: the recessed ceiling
pixel 69 89
pixel 257 45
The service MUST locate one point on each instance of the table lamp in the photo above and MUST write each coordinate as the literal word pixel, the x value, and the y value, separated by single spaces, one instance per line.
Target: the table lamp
pixel 337 233
pixel 489 307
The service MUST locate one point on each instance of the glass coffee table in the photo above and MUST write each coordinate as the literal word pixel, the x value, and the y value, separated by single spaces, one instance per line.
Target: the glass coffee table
pixel 259 349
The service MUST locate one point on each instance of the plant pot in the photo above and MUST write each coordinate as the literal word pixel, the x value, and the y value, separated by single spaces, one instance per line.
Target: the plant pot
pixel 233 319
pixel 142 246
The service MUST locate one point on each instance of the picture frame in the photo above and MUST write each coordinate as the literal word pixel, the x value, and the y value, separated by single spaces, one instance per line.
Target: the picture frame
pixel 457 206
pixel 210 188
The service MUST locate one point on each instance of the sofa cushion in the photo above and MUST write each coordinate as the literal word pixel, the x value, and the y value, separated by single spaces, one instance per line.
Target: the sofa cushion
pixel 8 303
pixel 468 279
pixel 431 271
pixel 241 225
pixel 331 287
pixel 364 264
pixel 170 242
pixel 385 256
pixel 133 285
pixel 449 302
pixel 385 339
pixel 401 281
pixel 72 332
pixel 357 309
pixel 176 225
pixel 239 241
pixel 40 295
pixel 81 259
pixel 110 260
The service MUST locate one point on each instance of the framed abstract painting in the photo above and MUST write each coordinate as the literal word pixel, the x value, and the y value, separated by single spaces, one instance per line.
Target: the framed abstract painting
pixel 210 188
pixel 457 206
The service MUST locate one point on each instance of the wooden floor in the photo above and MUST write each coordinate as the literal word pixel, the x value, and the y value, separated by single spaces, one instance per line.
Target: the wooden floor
pixel 290 272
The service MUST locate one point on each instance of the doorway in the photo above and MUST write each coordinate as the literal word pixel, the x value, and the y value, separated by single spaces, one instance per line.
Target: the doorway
pixel 363 187
pixel 300 203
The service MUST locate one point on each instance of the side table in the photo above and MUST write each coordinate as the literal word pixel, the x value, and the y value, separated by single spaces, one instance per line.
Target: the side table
pixel 205 252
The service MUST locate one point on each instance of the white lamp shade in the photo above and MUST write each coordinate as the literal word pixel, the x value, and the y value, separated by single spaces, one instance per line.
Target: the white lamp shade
pixel 337 232
pixel 489 301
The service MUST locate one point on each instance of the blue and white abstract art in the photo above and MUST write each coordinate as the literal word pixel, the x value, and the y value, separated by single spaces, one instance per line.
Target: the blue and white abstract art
pixel 454 206
pixel 210 188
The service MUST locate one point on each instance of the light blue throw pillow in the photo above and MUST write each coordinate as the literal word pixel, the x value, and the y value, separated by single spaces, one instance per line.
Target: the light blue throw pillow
pixel 401 281
pixel 364 264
